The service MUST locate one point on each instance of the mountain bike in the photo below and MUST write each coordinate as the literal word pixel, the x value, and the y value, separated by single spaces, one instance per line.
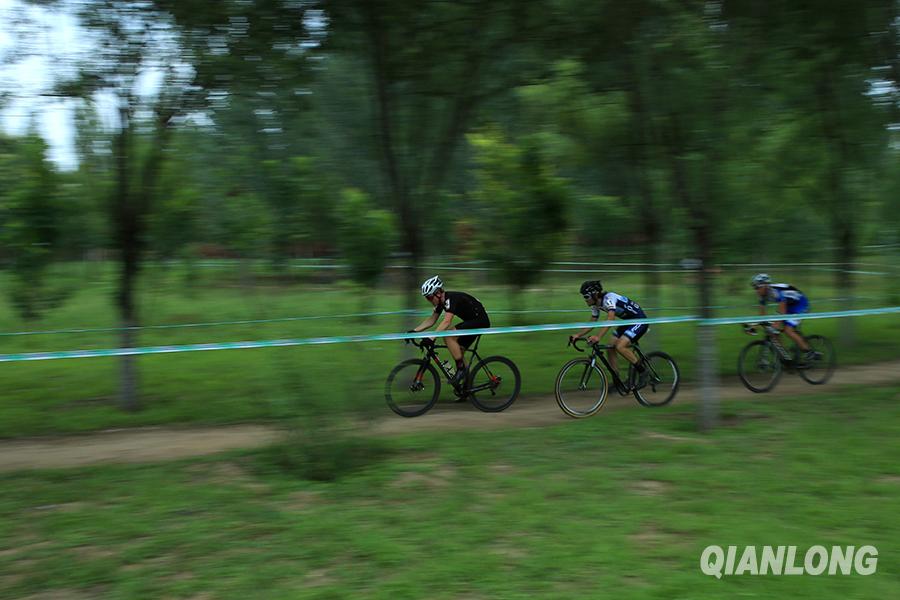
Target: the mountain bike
pixel 414 386
pixel 761 362
pixel 582 385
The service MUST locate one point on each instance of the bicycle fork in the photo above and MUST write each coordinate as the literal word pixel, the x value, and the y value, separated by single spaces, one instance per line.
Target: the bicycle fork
pixel 417 384
pixel 588 369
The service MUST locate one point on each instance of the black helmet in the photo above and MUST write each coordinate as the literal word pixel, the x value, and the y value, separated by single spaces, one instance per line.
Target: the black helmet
pixel 589 288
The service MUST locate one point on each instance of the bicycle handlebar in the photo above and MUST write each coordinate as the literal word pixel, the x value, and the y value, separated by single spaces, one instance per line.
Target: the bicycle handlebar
pixel 750 328
pixel 574 344
pixel 423 344
pixel 419 342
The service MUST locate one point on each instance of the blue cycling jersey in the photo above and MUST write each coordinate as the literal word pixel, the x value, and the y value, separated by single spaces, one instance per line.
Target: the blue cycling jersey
pixel 624 307
pixel 783 292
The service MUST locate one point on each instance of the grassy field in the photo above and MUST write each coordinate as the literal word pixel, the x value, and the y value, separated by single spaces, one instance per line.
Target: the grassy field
pixel 621 505
pixel 231 386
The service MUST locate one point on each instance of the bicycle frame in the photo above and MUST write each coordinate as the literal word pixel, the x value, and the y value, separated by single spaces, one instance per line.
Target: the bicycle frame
pixel 597 354
pixel 773 336
pixel 432 355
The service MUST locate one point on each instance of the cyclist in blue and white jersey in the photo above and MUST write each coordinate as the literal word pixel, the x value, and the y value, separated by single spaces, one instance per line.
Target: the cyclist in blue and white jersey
pixel 790 301
pixel 615 305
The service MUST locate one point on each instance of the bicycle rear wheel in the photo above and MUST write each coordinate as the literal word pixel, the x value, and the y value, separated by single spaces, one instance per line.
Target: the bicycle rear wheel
pixel 581 388
pixel 494 384
pixel 759 366
pixel 820 369
pixel 662 380
pixel 412 388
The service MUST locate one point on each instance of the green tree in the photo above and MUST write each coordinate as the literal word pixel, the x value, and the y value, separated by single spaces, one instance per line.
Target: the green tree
pixel 429 77
pixel 29 223
pixel 366 236
pixel 521 204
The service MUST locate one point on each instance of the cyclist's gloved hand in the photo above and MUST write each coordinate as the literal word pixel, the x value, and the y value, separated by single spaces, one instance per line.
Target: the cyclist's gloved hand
pixel 409 340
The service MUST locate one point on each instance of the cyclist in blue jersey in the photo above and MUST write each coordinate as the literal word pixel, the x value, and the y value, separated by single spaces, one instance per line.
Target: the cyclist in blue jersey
pixel 615 305
pixel 790 301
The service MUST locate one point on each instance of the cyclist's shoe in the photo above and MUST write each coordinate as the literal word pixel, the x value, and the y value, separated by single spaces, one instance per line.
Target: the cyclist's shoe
pixel 641 379
pixel 459 379
pixel 809 359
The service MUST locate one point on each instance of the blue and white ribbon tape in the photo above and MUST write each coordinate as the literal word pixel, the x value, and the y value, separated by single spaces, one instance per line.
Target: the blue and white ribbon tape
pixel 385 313
pixel 317 341
pixel 214 323
pixel 863 312
pixel 430 334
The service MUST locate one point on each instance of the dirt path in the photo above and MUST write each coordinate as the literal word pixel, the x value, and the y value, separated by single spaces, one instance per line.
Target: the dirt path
pixel 148 445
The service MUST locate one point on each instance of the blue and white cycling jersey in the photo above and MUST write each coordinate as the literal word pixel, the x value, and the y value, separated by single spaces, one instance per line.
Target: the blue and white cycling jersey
pixel 783 292
pixel 624 307
pixel 795 300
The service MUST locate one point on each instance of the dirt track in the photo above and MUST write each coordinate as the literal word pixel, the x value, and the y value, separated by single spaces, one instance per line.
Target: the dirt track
pixel 147 445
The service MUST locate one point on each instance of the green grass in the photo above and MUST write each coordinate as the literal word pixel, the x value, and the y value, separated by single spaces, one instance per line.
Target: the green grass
pixel 244 385
pixel 620 505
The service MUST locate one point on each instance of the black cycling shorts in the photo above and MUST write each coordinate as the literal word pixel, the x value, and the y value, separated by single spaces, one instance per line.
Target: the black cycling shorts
pixel 632 332
pixel 466 340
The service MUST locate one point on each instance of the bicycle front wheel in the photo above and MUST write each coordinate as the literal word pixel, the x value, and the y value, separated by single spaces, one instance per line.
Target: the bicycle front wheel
pixel 412 388
pixel 759 366
pixel 820 369
pixel 494 384
pixel 663 378
pixel 581 388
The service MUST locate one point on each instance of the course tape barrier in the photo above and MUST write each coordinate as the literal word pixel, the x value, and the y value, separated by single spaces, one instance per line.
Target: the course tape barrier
pixel 214 323
pixel 862 312
pixel 385 313
pixel 429 334
pixel 317 341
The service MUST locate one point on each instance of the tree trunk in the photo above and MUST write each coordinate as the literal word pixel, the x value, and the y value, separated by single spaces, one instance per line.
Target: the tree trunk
pixel 702 226
pixel 130 204
pixel 383 110
pixel 842 209
pixel 647 213
pixel 844 280
pixel 707 354
pixel 128 381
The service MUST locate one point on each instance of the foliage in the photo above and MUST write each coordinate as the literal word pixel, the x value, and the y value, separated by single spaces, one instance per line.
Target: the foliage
pixel 30 224
pixel 521 206
pixel 366 235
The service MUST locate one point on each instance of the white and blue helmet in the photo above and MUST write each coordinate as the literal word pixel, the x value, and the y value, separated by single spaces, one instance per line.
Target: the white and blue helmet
pixel 760 280
pixel 432 285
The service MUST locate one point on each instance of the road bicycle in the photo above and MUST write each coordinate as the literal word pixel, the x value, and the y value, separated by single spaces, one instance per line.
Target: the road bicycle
pixel 414 385
pixel 762 362
pixel 582 385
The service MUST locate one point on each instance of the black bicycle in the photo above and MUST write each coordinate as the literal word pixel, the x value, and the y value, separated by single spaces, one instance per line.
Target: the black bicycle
pixel 582 386
pixel 414 386
pixel 761 362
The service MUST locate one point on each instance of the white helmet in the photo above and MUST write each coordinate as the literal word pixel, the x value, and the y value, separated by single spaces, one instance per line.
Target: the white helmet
pixel 432 285
pixel 760 279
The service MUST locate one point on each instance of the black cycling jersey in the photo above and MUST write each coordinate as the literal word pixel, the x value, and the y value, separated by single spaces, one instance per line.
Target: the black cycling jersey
pixel 623 307
pixel 461 304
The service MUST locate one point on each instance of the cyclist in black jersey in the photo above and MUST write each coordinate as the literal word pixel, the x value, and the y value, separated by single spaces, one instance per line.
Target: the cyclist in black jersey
pixel 453 304
pixel 615 305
